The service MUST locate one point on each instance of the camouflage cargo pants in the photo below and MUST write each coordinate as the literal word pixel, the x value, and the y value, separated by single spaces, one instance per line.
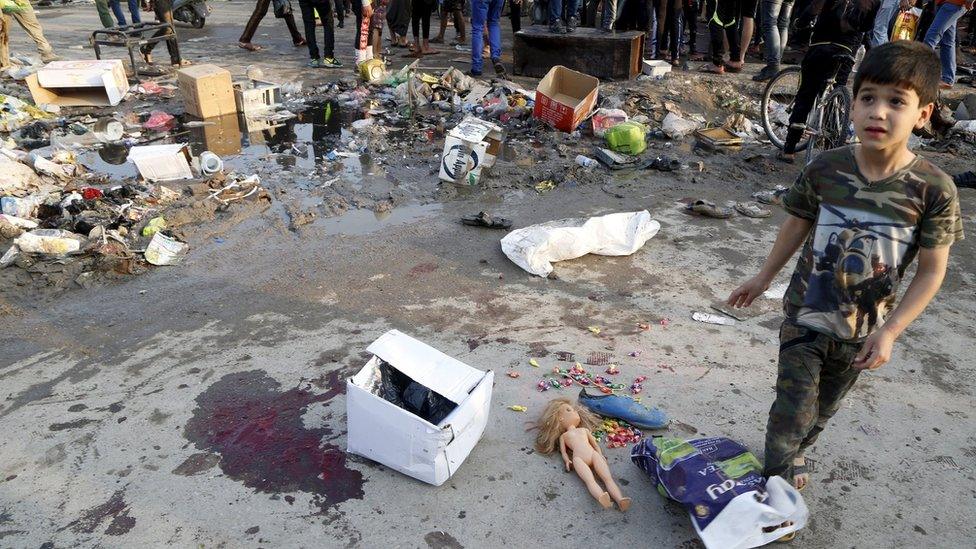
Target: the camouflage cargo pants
pixel 814 375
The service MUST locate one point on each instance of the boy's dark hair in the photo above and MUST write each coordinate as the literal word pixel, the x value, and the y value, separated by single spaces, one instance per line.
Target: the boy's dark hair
pixel 903 63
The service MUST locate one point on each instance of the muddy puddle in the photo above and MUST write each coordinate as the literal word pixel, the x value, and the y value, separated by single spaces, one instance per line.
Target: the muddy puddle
pixel 246 144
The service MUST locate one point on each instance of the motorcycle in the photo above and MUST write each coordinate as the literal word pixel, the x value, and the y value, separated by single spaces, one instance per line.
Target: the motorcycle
pixel 194 12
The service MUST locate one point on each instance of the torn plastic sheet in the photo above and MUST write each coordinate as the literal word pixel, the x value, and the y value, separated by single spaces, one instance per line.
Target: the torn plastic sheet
pixel 537 247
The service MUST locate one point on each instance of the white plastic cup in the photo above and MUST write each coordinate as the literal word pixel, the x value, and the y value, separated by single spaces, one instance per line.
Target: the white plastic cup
pixel 210 163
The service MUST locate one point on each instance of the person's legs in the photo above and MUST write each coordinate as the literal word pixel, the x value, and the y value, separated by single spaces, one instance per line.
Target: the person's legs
pixel 340 13
pixel 794 412
pixel 134 9
pixel 690 10
pixel 104 15
pixel 515 14
pixel 446 7
pixel 609 14
pixel 27 19
pixel 425 22
pixel 357 12
pixel 571 14
pixel 260 9
pixel 415 15
pixel 296 37
pixel 116 6
pixel 882 21
pixel 817 67
pixel 836 379
pixel 324 9
pixel 164 14
pixel 479 15
pixel 555 12
pixel 661 17
pixel 308 20
pixel 942 32
pixel 495 29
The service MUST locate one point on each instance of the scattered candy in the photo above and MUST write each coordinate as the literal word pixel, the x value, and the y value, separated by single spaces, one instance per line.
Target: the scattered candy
pixel 635 354
pixel 616 433
pixel 594 329
pixel 613 370
pixel 533 362
pixel 665 321
pixel 517 408
pixel 643 326
pixel 514 375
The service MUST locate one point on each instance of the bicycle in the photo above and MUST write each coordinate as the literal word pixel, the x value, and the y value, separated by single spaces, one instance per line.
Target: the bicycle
pixel 828 123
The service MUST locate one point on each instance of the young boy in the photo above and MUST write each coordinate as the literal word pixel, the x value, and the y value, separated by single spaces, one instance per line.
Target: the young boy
pixel 837 34
pixel 863 212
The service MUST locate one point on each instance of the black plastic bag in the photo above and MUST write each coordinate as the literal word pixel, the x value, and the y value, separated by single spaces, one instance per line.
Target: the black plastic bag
pixel 397 388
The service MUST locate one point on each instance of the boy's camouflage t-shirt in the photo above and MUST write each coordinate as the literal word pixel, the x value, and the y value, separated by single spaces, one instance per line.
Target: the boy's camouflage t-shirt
pixel 866 235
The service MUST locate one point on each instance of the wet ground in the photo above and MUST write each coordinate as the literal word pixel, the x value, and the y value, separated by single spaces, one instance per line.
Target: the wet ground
pixel 204 404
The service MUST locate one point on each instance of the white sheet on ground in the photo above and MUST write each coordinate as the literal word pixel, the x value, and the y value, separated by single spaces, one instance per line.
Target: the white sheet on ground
pixel 537 247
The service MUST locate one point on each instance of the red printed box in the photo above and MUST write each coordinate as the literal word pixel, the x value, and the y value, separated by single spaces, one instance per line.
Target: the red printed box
pixel 565 97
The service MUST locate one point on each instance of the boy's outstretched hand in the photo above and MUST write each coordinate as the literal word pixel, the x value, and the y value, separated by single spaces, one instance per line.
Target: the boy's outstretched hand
pixel 876 351
pixel 744 295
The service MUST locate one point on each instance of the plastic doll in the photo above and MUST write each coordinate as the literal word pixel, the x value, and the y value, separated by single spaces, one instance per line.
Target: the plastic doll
pixel 570 426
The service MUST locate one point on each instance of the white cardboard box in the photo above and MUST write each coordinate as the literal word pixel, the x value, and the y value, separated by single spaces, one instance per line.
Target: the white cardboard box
pixel 162 162
pixel 468 148
pixel 87 83
pixel 655 67
pixel 384 432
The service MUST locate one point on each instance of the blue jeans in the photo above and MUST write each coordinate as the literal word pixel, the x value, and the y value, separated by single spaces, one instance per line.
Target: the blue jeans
pixel 943 33
pixel 882 22
pixel 116 6
pixel 556 11
pixel 482 12
pixel 776 26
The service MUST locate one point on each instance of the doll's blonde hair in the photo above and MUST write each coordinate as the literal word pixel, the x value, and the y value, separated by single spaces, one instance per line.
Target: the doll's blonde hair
pixel 546 441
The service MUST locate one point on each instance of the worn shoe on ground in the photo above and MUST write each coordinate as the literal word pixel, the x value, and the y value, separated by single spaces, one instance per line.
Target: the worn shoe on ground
pixel 557 28
pixel 766 73
pixel 625 408
pixel 331 63
pixel 572 24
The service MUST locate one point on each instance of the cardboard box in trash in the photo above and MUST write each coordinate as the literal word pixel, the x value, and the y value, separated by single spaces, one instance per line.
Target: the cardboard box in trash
pixel 384 432
pixel 261 96
pixel 162 162
pixel 86 83
pixel 207 91
pixel 468 148
pixel 565 97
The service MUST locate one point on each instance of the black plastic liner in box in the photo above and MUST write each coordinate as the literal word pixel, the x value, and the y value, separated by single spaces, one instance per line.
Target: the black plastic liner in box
pixel 398 388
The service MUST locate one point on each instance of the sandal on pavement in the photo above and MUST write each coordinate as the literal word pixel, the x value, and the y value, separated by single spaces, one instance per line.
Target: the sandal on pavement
pixel 709 209
pixel 751 209
pixel 484 219
pixel 249 46
pixel 772 196
pixel 713 69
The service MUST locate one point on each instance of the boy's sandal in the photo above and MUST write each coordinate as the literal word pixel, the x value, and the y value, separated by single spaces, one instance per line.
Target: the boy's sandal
pixel 751 209
pixel 484 219
pixel 249 46
pixel 713 69
pixel 709 209
pixel 733 68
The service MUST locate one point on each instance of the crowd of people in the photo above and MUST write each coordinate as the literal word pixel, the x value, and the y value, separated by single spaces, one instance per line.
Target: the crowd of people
pixel 833 28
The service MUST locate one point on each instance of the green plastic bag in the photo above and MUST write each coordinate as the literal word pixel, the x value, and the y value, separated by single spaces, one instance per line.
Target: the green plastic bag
pixel 627 138
pixel 14 6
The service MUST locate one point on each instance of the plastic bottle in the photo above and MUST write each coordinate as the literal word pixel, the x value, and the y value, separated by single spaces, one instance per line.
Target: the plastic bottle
pixel 586 161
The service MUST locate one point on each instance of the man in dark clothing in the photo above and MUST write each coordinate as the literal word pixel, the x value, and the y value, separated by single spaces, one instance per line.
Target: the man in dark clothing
pixel 838 32
pixel 164 14
pixel 260 10
pixel 724 26
pixel 324 9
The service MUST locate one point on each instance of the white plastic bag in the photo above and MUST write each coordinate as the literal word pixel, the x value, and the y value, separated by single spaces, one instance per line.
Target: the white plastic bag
pixel 740 524
pixel 537 247
pixel 48 242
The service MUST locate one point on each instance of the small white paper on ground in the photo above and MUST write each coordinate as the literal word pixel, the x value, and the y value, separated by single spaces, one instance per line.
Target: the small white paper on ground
pixel 537 247
pixel 709 318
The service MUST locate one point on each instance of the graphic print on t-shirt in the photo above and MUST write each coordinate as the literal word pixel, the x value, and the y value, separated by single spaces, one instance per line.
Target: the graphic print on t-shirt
pixel 856 258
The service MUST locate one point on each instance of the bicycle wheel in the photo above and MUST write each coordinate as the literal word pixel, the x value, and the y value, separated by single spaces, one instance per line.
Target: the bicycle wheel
pixel 777 105
pixel 835 122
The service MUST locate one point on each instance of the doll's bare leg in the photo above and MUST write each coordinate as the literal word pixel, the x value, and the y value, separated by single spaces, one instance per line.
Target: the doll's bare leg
pixel 602 469
pixel 584 472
